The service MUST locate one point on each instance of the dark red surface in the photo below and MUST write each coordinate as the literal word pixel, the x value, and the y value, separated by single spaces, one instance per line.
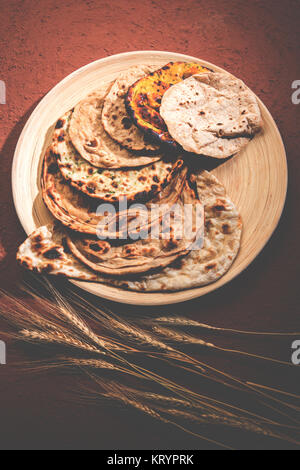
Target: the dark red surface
pixel 43 41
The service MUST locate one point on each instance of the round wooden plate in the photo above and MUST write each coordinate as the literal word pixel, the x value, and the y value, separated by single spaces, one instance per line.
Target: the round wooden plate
pixel 256 179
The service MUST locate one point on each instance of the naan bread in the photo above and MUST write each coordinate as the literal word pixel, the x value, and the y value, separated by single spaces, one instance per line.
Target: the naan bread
pixel 144 97
pixel 212 114
pixel 170 240
pixel 115 118
pixel 46 252
pixel 222 238
pixel 92 141
pixel 78 211
pixel 108 185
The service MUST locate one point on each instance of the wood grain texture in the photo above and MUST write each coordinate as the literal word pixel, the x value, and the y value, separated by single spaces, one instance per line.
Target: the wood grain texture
pixel 256 179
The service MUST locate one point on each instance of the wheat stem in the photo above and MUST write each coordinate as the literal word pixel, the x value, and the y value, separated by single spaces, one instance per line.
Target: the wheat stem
pixel 292 395
pixel 61 323
pixel 183 338
pixel 179 321
pixel 118 392
pixel 145 337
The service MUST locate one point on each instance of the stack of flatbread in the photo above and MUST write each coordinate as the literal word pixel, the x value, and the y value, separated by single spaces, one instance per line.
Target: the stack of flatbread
pixel 119 190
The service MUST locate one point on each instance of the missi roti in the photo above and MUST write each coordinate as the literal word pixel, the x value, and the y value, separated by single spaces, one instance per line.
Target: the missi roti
pixel 144 97
pixel 212 114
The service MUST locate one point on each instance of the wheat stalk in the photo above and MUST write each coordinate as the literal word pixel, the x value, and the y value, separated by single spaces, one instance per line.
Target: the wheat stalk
pixel 187 339
pixel 100 313
pixel 66 312
pixel 183 338
pixel 271 389
pixel 220 420
pixel 135 398
pixel 123 328
pixel 17 313
pixel 59 338
pixel 145 374
pixel 65 361
pixel 126 396
pixel 61 324
pixel 181 321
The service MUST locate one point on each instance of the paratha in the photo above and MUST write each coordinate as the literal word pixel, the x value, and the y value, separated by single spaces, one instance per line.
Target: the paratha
pixel 78 211
pixel 115 118
pixel 222 239
pixel 92 141
pixel 144 97
pixel 212 114
pixel 171 239
pixel 50 249
pixel 138 184
pixel 45 252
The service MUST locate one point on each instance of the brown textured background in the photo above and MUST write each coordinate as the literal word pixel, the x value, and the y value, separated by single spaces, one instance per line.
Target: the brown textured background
pixel 43 41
